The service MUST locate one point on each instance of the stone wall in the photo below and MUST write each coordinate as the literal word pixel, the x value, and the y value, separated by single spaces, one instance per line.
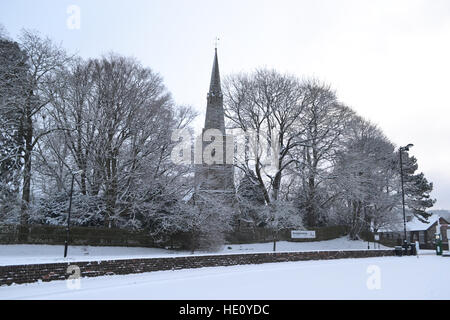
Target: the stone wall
pixel 58 271
pixel 45 234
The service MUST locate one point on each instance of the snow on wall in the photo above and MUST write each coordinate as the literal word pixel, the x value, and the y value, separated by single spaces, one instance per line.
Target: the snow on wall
pixel 59 271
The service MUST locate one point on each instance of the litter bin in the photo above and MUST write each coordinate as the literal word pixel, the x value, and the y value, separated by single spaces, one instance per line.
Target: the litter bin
pixel 410 250
pixel 398 251
pixel 438 244
pixel 413 249
pixel 405 249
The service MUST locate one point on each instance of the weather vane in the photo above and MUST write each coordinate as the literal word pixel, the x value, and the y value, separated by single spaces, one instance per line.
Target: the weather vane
pixel 216 42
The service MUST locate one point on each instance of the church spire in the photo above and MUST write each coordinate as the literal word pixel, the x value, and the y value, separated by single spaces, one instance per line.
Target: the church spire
pixel 214 110
pixel 214 87
pixel 215 179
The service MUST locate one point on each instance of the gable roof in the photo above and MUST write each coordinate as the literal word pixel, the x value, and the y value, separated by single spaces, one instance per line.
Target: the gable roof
pixel 414 225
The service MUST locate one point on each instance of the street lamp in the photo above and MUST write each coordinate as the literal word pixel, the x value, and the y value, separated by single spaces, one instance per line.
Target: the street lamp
pixel 66 242
pixel 403 190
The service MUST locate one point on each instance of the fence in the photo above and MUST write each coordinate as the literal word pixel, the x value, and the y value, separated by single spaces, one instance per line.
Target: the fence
pixel 246 234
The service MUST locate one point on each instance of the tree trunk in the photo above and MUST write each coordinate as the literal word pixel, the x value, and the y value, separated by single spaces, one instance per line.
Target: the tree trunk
pixel 276 185
pixel 354 230
pixel 26 191
pixel 193 240
pixel 111 196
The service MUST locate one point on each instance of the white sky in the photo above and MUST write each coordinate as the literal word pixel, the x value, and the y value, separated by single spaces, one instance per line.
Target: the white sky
pixel 388 60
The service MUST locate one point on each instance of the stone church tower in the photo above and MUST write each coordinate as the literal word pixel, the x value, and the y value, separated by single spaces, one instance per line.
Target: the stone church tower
pixel 215 179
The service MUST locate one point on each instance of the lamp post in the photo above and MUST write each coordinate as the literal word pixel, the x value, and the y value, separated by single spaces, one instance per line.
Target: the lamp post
pixel 66 242
pixel 403 189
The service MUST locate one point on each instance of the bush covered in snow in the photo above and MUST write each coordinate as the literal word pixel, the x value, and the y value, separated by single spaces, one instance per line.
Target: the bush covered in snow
pixel 86 211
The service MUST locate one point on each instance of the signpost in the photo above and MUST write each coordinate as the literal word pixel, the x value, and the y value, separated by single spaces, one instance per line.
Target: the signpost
pixel 303 234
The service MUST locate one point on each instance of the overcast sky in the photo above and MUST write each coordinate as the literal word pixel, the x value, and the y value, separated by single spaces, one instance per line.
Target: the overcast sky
pixel 388 60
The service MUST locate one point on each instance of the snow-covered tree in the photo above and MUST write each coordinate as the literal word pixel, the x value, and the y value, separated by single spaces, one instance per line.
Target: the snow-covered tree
pixel 417 188
pixel 365 178
pixel 250 199
pixel 86 211
pixel 117 118
pixel 325 122
pixel 13 72
pixel 44 59
pixel 3 32
pixel 281 215
pixel 202 221
pixel 267 105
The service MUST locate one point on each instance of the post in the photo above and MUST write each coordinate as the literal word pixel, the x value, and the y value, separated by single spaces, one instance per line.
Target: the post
pixel 438 238
pixel 275 236
pixel 66 243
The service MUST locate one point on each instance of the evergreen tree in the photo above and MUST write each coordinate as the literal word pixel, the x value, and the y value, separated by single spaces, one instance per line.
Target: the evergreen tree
pixel 417 188
pixel 12 79
pixel 251 199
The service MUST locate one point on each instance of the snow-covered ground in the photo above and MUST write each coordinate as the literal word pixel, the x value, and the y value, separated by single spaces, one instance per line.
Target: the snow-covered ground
pixel 30 254
pixel 342 243
pixel 426 277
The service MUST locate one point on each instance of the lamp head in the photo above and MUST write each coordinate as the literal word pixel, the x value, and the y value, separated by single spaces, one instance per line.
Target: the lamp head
pixel 407 147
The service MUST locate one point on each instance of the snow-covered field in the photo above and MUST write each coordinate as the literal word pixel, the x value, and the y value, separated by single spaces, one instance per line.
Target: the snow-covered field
pixel 426 277
pixel 30 254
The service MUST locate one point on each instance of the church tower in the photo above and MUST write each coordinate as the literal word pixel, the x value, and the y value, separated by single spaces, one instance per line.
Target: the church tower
pixel 214 175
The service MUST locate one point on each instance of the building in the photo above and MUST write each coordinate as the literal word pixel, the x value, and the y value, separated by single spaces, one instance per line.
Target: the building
pixel 416 230
pixel 215 180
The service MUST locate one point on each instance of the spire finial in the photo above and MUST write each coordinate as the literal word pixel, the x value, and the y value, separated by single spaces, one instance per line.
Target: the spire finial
pixel 216 42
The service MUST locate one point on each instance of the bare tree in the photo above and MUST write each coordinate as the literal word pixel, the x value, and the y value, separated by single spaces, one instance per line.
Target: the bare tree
pixel 268 106
pixel 44 60
pixel 118 118
pixel 325 122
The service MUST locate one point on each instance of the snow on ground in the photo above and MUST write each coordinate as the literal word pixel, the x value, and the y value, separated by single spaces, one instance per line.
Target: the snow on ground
pixel 342 243
pixel 30 254
pixel 426 277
